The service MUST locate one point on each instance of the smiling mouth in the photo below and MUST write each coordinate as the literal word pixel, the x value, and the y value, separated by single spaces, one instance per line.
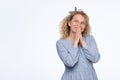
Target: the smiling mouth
pixel 75 27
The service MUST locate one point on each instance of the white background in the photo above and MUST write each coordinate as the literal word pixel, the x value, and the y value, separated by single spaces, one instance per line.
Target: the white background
pixel 29 30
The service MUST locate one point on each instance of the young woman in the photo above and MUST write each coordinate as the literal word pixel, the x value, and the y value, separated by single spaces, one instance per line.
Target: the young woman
pixel 77 48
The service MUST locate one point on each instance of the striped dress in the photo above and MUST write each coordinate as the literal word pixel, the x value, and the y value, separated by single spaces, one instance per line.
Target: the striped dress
pixel 78 61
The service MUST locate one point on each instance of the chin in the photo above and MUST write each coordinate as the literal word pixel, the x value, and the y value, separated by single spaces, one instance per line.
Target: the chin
pixel 74 31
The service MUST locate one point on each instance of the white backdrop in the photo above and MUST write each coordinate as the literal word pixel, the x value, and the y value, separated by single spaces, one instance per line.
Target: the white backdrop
pixel 29 30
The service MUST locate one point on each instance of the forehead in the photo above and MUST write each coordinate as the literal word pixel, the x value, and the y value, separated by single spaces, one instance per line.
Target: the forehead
pixel 78 17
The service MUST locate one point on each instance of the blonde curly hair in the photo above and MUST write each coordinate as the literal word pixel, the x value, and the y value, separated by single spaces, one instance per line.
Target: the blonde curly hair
pixel 65 29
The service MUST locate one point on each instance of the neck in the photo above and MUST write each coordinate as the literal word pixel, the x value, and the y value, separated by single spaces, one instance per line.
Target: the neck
pixel 72 35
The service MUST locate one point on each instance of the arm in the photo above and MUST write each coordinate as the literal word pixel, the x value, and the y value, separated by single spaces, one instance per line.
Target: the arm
pixel 91 51
pixel 68 56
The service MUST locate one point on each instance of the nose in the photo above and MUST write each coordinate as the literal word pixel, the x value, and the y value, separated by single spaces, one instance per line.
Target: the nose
pixel 78 24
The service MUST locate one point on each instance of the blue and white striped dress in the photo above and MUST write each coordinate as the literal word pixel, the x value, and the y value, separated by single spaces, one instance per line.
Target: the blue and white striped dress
pixel 78 61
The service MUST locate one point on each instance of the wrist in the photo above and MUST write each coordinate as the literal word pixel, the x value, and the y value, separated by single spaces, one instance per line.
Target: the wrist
pixel 75 44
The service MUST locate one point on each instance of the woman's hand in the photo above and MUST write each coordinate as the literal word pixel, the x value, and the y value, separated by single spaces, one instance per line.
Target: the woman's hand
pixel 79 39
pixel 78 35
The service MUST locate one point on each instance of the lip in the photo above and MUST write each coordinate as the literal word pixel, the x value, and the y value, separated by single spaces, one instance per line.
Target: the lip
pixel 75 27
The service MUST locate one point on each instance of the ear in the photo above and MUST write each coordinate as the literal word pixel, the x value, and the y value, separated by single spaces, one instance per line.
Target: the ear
pixel 69 24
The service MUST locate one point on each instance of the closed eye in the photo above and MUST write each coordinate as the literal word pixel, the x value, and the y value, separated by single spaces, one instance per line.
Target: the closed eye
pixel 83 23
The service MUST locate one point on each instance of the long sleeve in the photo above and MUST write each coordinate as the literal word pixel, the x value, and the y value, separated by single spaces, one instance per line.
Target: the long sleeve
pixel 91 51
pixel 68 56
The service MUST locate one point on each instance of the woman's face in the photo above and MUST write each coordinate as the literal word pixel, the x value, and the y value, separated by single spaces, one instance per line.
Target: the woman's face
pixel 78 21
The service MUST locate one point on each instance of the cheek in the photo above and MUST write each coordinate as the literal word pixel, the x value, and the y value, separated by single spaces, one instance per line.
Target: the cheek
pixel 73 29
pixel 83 28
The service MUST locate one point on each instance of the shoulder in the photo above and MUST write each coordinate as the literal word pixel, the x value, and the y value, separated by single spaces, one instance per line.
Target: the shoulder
pixel 64 42
pixel 59 41
pixel 89 38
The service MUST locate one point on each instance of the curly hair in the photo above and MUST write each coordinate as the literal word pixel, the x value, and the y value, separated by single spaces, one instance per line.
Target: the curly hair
pixel 65 29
